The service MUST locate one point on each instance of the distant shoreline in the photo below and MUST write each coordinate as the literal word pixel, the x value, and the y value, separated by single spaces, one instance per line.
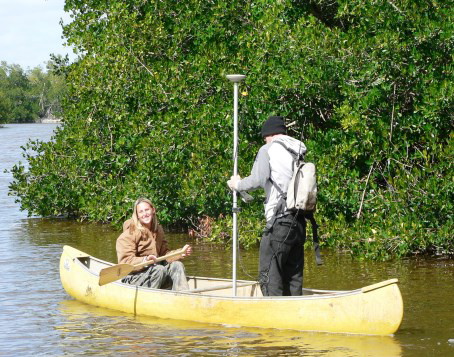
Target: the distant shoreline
pixel 38 121
pixel 49 121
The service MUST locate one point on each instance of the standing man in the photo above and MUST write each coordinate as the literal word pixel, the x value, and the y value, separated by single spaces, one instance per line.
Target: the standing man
pixel 282 245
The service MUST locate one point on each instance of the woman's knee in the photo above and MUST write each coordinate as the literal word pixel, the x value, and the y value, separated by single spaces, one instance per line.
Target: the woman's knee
pixel 176 266
pixel 159 270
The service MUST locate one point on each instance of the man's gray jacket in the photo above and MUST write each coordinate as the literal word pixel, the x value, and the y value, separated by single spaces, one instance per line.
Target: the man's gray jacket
pixel 273 163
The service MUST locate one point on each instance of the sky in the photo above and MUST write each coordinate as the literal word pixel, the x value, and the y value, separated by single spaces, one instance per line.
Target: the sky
pixel 30 31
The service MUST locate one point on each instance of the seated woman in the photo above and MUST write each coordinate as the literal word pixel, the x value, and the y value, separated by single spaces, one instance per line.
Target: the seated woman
pixel 143 240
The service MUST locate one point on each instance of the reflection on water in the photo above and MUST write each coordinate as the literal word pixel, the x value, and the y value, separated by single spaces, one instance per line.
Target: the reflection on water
pixel 37 314
pixel 123 333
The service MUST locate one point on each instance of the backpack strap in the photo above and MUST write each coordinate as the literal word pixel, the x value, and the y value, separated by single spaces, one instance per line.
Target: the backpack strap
pixel 279 190
pixel 296 156
pixel 278 210
pixel 310 216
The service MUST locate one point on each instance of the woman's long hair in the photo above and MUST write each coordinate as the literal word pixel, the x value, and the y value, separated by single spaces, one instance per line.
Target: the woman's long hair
pixel 135 219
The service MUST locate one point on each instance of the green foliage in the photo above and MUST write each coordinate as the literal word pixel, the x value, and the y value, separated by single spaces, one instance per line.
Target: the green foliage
pixel 149 113
pixel 27 96
pixel 249 228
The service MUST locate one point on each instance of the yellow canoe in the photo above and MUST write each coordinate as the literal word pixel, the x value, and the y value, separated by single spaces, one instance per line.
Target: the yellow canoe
pixel 376 309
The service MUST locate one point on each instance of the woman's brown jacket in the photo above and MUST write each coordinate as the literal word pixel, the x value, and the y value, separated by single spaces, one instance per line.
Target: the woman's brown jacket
pixel 132 245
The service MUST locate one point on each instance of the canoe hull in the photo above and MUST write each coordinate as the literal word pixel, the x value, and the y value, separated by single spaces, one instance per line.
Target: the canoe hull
pixel 376 310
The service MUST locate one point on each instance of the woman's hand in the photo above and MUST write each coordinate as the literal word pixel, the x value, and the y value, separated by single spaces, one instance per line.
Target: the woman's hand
pixel 151 258
pixel 188 252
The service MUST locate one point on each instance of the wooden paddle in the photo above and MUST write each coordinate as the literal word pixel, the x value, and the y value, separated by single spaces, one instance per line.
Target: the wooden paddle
pixel 115 272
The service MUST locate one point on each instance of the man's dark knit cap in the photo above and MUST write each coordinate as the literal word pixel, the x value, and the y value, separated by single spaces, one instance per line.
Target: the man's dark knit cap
pixel 273 125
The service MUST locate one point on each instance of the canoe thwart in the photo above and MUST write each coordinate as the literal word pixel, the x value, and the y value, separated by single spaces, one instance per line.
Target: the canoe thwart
pixel 220 287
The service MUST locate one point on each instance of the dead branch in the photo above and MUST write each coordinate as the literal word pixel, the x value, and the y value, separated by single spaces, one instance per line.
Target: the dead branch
pixel 364 192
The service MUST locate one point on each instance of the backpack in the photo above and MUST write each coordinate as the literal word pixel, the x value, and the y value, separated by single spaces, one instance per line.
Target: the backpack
pixel 302 189
pixel 301 195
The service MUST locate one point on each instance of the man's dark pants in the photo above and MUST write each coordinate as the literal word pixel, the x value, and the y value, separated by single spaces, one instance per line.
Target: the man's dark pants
pixel 282 257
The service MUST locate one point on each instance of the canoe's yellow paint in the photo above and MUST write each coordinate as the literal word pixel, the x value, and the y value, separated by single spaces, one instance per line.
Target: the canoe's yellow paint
pixel 377 309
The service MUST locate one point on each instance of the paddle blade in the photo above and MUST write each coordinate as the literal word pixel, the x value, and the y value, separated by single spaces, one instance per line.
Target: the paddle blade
pixel 113 273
